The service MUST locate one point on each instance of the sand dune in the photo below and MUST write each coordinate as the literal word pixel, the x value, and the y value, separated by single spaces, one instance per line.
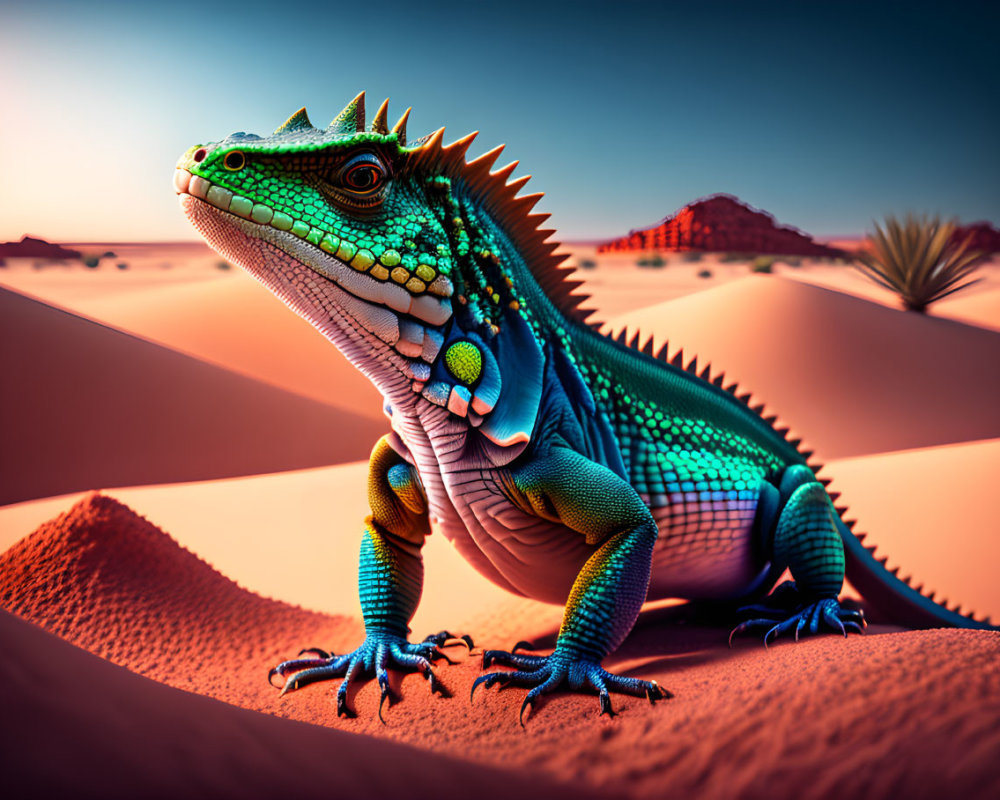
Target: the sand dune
pixel 853 377
pixel 237 323
pixel 929 510
pixel 88 406
pixel 910 714
pixel 976 307
pixel 293 536
pixel 126 737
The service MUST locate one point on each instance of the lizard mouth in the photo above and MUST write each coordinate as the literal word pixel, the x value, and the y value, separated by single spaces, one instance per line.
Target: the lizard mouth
pixel 346 304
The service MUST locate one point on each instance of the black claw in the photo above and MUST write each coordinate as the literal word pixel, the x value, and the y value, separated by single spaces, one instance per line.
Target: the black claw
pixel 315 651
pixel 606 705
pixel 468 641
pixel 522 646
pixel 656 692
pixel 342 708
pixel 270 674
pixel 475 685
pixel 526 704
pixel 384 683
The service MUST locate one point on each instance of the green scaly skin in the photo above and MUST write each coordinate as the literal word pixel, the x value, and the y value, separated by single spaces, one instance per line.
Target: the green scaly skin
pixel 563 465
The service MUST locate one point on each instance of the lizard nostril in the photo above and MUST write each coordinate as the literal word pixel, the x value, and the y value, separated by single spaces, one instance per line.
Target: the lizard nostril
pixel 199 155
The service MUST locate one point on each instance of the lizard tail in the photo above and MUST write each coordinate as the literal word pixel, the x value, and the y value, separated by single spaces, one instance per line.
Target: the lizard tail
pixel 895 598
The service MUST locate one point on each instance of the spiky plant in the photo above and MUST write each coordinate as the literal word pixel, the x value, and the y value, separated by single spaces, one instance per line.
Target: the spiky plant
pixel 919 260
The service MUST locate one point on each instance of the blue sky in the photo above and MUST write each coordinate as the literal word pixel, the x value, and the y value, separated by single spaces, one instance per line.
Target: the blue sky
pixel 826 115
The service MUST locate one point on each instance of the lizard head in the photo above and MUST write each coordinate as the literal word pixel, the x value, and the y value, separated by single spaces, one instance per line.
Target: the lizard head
pixel 412 260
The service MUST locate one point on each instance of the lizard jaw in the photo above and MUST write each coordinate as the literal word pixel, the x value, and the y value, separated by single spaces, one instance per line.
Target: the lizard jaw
pixel 375 338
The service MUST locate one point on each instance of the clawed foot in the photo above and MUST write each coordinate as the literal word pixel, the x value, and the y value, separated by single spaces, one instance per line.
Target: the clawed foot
pixel 379 653
pixel 785 611
pixel 545 674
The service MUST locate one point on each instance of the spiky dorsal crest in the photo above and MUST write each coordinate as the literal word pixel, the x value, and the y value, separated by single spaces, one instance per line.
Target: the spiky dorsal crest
pixel 705 373
pixel 499 196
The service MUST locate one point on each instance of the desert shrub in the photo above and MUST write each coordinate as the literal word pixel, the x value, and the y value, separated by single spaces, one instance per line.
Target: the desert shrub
pixel 91 261
pixel 705 273
pixel 764 264
pixel 108 254
pixel 121 265
pixel 917 259
pixel 792 261
pixel 692 256
pixel 223 265
pixel 655 260
pixel 587 263
pixel 732 258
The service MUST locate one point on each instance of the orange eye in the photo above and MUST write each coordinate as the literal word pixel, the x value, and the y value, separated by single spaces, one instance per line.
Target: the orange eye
pixel 234 161
pixel 363 174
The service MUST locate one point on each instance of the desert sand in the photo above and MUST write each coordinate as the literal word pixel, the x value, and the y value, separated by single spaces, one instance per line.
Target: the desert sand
pixel 851 376
pixel 120 410
pixel 898 406
pixel 886 713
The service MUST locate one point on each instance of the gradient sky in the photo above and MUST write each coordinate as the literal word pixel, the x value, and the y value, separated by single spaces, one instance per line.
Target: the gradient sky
pixel 827 115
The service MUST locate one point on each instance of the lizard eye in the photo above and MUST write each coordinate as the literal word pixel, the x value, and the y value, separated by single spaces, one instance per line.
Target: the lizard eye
pixel 363 175
pixel 234 161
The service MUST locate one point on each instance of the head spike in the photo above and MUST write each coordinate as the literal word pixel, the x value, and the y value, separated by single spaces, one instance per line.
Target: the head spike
pixel 297 122
pixel 352 118
pixel 400 127
pixel 381 122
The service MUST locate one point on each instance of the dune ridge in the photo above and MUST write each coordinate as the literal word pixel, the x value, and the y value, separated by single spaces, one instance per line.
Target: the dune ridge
pixel 811 353
pixel 97 407
pixel 236 323
pixel 911 713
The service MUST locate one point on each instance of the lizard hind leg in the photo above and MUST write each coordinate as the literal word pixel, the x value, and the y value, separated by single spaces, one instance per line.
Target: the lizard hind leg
pixel 806 540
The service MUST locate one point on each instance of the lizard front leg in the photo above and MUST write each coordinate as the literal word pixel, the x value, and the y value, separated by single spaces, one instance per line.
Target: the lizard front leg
pixel 609 590
pixel 390 581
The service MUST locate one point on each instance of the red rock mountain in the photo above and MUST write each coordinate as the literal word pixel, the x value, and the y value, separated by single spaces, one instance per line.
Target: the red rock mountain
pixel 721 223
pixel 984 236
pixel 30 247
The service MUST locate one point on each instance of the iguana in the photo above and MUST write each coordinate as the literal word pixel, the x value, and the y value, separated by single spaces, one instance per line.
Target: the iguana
pixel 564 465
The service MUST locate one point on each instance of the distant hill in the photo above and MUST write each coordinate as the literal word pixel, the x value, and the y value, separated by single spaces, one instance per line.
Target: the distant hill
pixel 30 247
pixel 984 236
pixel 721 223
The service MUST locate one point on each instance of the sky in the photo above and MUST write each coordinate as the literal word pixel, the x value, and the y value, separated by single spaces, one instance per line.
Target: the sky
pixel 827 115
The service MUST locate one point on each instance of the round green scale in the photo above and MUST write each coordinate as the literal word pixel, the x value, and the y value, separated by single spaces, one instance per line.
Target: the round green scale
pixel 464 361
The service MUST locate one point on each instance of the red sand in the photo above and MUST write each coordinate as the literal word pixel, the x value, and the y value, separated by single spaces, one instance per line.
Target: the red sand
pixel 88 406
pixel 854 377
pixel 904 714
pixel 293 536
pixel 158 742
